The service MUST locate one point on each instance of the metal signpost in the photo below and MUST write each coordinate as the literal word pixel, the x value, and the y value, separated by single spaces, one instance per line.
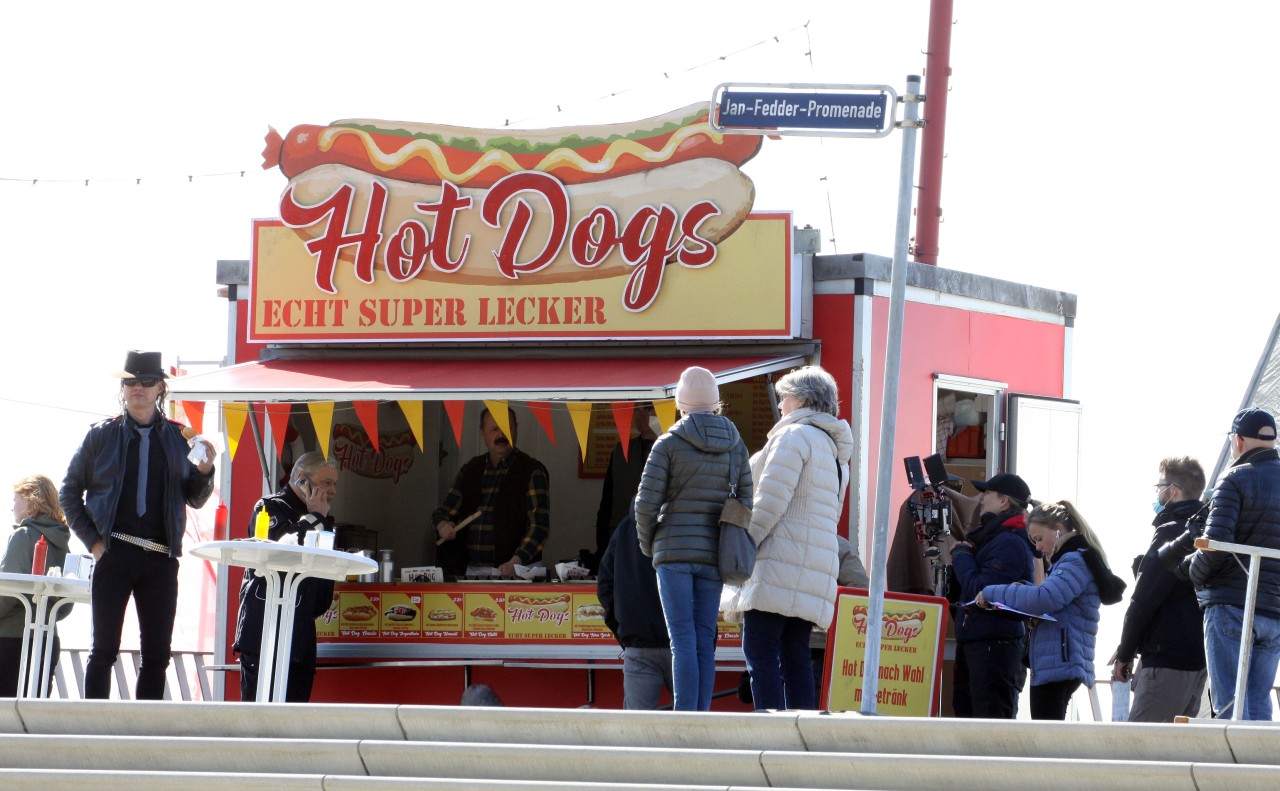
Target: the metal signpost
pixel 853 111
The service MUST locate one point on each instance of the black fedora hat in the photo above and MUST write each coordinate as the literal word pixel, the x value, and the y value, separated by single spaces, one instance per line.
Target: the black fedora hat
pixel 142 364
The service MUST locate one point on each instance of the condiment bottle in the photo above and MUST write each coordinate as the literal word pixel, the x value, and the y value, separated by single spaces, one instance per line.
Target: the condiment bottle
pixel 38 557
pixel 262 525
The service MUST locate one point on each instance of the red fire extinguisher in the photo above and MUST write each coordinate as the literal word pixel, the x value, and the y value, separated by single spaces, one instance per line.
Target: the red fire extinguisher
pixel 38 557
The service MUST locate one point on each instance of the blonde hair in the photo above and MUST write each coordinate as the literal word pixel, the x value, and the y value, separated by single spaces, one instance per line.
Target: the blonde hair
pixel 1064 515
pixel 41 496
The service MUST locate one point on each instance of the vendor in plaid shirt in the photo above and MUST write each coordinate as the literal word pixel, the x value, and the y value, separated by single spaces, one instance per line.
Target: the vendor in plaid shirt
pixel 510 490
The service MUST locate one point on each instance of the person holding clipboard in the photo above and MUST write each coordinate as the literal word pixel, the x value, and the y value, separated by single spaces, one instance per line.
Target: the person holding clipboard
pixel 1065 608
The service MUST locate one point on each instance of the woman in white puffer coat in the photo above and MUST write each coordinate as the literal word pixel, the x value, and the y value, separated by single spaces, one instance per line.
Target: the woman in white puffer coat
pixel 800 477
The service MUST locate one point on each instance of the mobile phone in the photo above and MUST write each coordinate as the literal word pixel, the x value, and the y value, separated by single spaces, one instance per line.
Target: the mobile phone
pixel 303 485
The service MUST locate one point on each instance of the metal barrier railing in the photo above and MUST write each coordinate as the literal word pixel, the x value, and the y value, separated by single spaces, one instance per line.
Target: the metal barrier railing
pixel 1256 554
pixel 188 671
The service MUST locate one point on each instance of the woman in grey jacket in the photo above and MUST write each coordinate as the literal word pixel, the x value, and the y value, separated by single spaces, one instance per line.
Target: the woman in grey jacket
pixel 685 483
pixel 36 513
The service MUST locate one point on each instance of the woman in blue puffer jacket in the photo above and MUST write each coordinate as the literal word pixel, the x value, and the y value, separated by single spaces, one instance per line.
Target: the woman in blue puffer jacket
pixel 1078 584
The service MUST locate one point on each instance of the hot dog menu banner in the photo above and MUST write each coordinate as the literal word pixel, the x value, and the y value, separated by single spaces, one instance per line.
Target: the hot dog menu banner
pixel 913 629
pixel 471 614
pixel 404 231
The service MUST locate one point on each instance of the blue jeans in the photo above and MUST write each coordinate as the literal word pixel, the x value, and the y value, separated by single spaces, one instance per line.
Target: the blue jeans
pixel 1223 624
pixel 778 659
pixel 645 673
pixel 690 594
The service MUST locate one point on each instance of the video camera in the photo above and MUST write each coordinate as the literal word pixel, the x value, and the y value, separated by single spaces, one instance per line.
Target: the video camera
pixel 930 508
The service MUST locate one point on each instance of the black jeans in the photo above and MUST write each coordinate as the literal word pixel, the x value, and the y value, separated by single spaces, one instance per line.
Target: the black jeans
pixel 151 579
pixel 1050 701
pixel 777 652
pixel 989 674
pixel 10 654
pixel 302 675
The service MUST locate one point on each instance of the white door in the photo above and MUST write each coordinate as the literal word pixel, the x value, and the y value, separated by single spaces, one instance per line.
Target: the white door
pixel 1044 445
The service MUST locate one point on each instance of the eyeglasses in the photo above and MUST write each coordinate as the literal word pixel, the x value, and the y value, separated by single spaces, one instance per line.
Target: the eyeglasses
pixel 1160 486
pixel 145 381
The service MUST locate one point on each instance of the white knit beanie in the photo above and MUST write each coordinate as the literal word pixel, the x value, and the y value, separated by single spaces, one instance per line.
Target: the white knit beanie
pixel 697 391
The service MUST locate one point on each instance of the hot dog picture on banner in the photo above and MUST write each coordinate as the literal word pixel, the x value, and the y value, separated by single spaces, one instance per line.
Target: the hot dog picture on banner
pixel 410 201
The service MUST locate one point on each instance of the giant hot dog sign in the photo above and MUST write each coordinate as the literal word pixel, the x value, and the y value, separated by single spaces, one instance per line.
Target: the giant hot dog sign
pixel 405 231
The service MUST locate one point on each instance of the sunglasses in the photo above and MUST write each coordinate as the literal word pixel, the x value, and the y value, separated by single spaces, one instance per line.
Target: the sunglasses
pixel 145 381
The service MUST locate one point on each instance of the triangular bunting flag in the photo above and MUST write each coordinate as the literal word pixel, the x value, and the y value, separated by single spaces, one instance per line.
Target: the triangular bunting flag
pixel 666 412
pixel 367 414
pixel 234 415
pixel 580 411
pixel 413 413
pixel 498 410
pixel 456 411
pixel 194 410
pixel 622 412
pixel 542 413
pixel 278 416
pixel 322 419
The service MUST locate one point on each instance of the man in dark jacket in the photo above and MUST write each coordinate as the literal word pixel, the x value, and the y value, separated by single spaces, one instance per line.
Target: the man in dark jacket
pixel 125 496
pixel 622 478
pixel 1163 622
pixel 989 670
pixel 628 591
pixel 509 490
pixel 301 506
pixel 1244 509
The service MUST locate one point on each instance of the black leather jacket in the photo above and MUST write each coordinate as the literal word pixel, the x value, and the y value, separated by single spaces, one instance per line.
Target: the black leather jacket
pixel 90 493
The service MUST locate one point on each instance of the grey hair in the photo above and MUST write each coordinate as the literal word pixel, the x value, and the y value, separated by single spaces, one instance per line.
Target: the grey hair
pixel 813 387
pixel 309 462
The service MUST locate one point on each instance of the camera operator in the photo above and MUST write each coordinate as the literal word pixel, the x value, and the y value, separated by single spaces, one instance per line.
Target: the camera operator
pixel 1244 509
pixel 1163 622
pixel 989 673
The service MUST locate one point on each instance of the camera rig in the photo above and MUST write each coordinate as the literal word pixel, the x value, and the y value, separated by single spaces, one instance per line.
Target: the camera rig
pixel 931 512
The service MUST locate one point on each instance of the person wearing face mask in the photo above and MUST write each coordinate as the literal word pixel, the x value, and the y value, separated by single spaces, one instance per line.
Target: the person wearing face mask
pixel 1163 623
pixel 1078 584
pixel 989 672
pixel 622 479
pixel 1244 509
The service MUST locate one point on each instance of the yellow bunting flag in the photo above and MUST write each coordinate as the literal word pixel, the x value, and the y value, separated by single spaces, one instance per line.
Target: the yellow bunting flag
pixel 367 414
pixel 622 412
pixel 456 410
pixel 322 419
pixel 413 413
pixel 666 412
pixel 194 410
pixel 542 413
pixel 580 412
pixel 278 417
pixel 498 410
pixel 234 415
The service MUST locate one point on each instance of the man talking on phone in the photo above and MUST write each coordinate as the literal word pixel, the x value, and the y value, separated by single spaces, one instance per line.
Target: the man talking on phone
pixel 301 506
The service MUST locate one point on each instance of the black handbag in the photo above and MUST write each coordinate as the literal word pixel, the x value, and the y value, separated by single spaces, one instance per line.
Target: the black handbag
pixel 737 550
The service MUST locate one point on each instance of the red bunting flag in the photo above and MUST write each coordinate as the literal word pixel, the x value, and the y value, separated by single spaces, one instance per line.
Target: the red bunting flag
pixel 622 413
pixel 456 409
pixel 278 417
pixel 367 414
pixel 194 410
pixel 542 412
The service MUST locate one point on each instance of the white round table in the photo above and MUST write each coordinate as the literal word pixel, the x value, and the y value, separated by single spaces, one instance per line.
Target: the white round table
pixel 37 636
pixel 295 563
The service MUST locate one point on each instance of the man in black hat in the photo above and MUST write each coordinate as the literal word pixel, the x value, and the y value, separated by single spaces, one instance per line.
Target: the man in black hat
pixel 989 673
pixel 125 496
pixel 1244 509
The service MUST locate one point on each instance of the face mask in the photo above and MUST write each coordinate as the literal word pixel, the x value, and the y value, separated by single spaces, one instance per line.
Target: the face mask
pixel 655 425
pixel 1157 506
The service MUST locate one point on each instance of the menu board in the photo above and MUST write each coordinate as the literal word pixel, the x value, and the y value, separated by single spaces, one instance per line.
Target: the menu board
pixel 472 613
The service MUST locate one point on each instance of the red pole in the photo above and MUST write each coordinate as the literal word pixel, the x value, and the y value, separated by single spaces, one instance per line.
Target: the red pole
pixel 937 73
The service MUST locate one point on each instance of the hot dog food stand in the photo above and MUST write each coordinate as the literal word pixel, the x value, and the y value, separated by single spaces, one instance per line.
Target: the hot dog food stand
pixel 418 275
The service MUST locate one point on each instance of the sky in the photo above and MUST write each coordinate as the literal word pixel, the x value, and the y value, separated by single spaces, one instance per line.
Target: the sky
pixel 1110 150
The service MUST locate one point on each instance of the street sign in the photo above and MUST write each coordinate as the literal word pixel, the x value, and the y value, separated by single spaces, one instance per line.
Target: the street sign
pixel 852 110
